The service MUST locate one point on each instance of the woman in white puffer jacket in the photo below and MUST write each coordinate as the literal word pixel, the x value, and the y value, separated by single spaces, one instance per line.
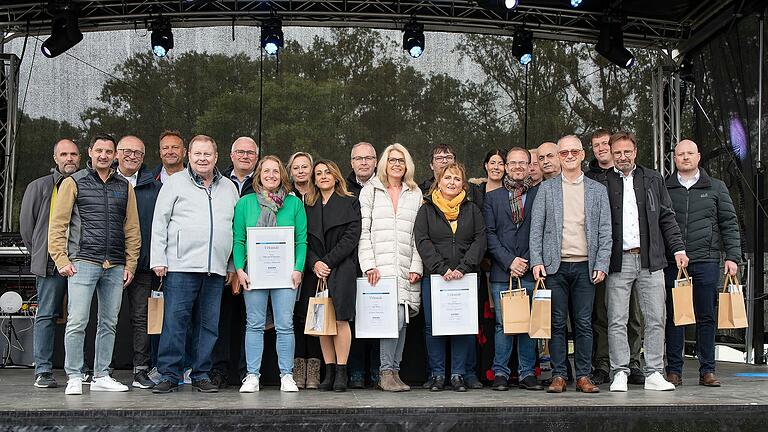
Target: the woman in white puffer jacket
pixel 389 203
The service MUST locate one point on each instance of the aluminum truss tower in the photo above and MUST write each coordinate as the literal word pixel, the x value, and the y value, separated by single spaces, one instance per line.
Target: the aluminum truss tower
pixel 9 92
pixel 665 88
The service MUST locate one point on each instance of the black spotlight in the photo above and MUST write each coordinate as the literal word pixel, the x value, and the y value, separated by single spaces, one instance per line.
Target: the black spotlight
pixel 272 35
pixel 162 37
pixel 413 39
pixel 522 46
pixel 611 45
pixel 65 32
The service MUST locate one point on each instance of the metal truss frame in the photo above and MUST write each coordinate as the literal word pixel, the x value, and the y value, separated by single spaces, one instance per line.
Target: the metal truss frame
pixel 9 92
pixel 665 90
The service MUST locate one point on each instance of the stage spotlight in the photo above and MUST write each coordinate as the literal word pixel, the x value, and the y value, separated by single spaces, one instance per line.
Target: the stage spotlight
pixel 65 32
pixel 611 45
pixel 272 35
pixel 522 46
pixel 499 4
pixel 576 3
pixel 511 4
pixel 413 39
pixel 162 37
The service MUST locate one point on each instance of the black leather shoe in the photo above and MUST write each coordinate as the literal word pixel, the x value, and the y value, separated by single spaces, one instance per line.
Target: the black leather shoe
pixel 472 382
pixel 205 386
pixel 438 383
pixel 500 383
pixel 636 377
pixel 165 387
pixel 531 383
pixel 457 382
pixel 599 376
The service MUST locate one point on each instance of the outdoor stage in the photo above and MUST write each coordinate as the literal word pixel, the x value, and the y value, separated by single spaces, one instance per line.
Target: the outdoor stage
pixel 740 405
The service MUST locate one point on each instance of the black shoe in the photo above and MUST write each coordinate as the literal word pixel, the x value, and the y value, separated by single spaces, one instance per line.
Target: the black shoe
pixel 530 383
pixel 141 380
pixel 500 383
pixel 330 377
pixel 165 386
pixel 45 380
pixel 438 382
pixel 429 383
pixel 205 386
pixel 218 379
pixel 340 382
pixel 356 380
pixel 636 377
pixel 600 376
pixel 457 382
pixel 472 382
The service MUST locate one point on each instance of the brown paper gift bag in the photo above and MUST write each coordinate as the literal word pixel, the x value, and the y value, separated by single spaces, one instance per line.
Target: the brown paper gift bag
pixel 321 316
pixel 155 309
pixel 515 309
pixel 731 310
pixel 541 312
pixel 682 299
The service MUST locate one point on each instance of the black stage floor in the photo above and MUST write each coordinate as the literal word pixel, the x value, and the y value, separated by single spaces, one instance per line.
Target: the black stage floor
pixel 740 405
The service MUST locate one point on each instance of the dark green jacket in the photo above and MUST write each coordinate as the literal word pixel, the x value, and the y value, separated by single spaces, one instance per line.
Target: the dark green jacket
pixel 707 219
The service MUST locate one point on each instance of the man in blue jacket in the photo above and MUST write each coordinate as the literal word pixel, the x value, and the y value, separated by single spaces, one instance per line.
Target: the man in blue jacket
pixel 507 214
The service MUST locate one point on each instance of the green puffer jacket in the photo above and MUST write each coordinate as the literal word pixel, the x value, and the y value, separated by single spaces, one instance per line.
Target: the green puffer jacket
pixel 707 219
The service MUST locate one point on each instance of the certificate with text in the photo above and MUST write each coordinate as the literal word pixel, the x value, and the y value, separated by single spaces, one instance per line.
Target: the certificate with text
pixel 454 305
pixel 376 309
pixel 270 257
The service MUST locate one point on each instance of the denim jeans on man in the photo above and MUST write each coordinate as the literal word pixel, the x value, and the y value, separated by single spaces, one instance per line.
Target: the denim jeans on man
pixel 191 301
pixel 108 284
pixel 651 296
pixel 283 301
pixel 572 283
pixel 50 294
pixel 503 343
pixel 706 280
pixel 461 345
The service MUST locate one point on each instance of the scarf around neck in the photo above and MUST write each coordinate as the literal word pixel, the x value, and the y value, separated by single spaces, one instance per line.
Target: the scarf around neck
pixel 450 208
pixel 270 203
pixel 517 189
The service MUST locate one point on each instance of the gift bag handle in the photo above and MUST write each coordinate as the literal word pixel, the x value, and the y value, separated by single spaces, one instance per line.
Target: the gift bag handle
pixel 519 284
pixel 682 271
pixel 322 285
pixel 160 287
pixel 728 278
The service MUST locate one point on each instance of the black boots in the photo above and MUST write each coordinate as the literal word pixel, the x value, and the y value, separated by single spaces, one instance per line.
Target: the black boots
pixel 340 384
pixel 330 377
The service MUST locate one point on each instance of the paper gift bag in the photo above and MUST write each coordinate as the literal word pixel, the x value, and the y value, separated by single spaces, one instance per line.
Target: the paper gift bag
pixel 682 299
pixel 321 316
pixel 155 308
pixel 731 310
pixel 541 312
pixel 515 309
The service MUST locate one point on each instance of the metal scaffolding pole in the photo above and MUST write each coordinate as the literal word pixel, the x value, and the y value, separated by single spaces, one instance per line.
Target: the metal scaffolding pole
pixel 758 324
pixel 665 87
pixel 9 91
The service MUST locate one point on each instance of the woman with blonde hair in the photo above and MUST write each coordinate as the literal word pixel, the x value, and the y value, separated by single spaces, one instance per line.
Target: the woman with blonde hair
pixel 271 205
pixel 389 203
pixel 300 173
pixel 333 232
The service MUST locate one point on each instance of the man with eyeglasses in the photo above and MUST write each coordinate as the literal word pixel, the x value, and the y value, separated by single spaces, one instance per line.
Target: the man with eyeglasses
pixel 363 159
pixel 534 171
pixel 571 247
pixel 549 163
pixel 442 155
pixel 130 165
pixel 644 229
pixel 172 153
pixel 601 364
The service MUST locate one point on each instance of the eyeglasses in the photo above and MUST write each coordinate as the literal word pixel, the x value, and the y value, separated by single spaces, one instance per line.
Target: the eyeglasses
pixel 134 153
pixel 364 158
pixel 625 153
pixel 517 164
pixel 396 161
pixel 249 153
pixel 443 158
pixel 572 152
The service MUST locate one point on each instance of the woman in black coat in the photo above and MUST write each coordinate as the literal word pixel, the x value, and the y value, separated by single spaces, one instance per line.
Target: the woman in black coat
pixel 333 232
pixel 450 238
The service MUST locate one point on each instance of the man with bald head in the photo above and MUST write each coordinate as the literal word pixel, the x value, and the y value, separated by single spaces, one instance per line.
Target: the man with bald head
pixel 36 207
pixel 707 219
pixel 244 156
pixel 130 165
pixel 549 164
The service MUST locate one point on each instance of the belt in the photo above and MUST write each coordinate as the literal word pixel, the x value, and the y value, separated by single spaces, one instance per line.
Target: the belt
pixel 633 251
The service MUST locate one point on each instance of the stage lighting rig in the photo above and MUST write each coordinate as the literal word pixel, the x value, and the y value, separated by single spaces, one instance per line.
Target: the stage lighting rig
pixel 501 5
pixel 413 39
pixel 575 3
pixel 272 35
pixel 522 46
pixel 611 43
pixel 162 37
pixel 65 30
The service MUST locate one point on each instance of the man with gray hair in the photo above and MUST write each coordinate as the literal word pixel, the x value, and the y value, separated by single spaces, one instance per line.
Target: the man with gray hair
pixel 570 245
pixel 549 163
pixel 363 159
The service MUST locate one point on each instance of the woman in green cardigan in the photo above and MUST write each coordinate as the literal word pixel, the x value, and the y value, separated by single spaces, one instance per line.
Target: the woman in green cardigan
pixel 271 205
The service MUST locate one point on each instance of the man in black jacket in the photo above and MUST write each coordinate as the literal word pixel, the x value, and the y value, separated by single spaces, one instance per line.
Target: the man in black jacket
pixel 644 229
pixel 363 166
pixel 708 219
pixel 601 364
pixel 130 165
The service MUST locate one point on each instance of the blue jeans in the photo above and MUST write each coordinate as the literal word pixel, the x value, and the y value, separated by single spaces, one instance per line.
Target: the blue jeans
pixel 283 301
pixel 461 345
pixel 191 302
pixel 571 282
pixel 526 347
pixel 50 294
pixel 108 284
pixel 706 281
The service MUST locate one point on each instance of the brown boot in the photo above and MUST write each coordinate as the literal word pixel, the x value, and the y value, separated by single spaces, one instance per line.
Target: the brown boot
pixel 387 381
pixel 300 372
pixel 403 386
pixel 675 379
pixel 558 385
pixel 709 380
pixel 585 385
pixel 313 373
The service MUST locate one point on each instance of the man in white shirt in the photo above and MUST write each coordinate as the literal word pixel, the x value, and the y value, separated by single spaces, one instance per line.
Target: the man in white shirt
pixel 172 153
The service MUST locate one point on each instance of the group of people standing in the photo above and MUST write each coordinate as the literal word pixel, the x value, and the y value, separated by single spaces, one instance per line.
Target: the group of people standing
pixel 602 241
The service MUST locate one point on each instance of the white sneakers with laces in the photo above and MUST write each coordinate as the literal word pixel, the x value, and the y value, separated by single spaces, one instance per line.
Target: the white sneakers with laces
pixel 658 383
pixel 619 383
pixel 107 384
pixel 250 384
pixel 74 386
pixel 287 384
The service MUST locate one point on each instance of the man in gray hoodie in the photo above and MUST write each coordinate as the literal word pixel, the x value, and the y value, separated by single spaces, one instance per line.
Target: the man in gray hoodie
pixel 36 207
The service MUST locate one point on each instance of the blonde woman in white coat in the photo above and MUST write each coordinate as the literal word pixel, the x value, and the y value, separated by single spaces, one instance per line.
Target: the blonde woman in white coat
pixel 389 203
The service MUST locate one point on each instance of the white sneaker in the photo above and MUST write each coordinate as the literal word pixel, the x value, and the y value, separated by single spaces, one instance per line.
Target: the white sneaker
pixel 657 382
pixel 107 384
pixel 287 384
pixel 74 386
pixel 619 383
pixel 251 384
pixel 188 376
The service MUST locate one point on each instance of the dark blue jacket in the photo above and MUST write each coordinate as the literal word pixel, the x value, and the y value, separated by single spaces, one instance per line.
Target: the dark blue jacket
pixel 506 241
pixel 146 190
